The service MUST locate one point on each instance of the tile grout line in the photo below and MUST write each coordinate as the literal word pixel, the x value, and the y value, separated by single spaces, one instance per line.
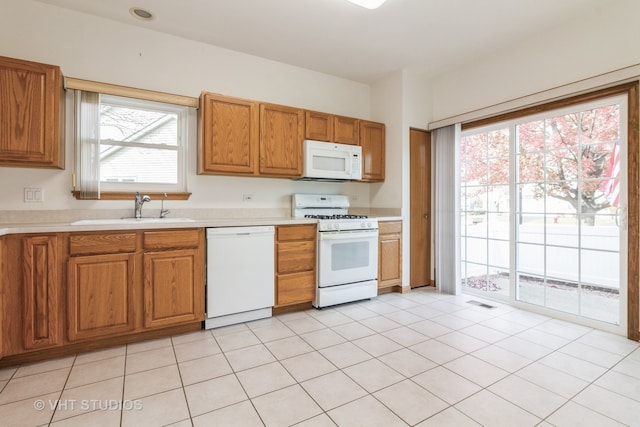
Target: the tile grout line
pixel 184 390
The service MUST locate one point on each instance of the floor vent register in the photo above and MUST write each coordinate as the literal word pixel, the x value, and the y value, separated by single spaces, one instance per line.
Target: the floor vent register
pixel 481 304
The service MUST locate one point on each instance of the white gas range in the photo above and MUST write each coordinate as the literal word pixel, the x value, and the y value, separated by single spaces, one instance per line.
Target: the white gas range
pixel 347 268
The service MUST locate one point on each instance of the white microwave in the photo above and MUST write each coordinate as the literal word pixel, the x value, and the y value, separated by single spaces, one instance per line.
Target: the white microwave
pixel 330 161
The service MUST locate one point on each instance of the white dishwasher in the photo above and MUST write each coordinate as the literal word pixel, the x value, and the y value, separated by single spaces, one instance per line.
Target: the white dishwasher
pixel 240 274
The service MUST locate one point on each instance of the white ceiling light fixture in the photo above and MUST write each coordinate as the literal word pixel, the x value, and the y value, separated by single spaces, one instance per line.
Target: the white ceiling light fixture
pixel 369 4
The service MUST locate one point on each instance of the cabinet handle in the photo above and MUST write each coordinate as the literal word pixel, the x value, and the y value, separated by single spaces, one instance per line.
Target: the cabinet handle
pixel 426 216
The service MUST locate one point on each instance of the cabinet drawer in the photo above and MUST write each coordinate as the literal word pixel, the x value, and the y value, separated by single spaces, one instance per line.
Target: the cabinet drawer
pixel 296 256
pixel 296 232
pixel 104 243
pixel 171 239
pixel 296 288
pixel 389 227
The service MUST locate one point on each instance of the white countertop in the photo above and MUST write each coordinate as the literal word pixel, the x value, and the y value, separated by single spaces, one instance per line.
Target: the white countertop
pixel 61 227
pixel 198 223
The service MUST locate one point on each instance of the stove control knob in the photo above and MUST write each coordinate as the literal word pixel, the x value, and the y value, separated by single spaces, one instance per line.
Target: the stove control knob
pixel 369 225
pixel 363 225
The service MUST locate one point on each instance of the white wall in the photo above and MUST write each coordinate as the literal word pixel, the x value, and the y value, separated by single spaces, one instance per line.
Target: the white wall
pixel 401 101
pixel 598 42
pixel 386 106
pixel 92 48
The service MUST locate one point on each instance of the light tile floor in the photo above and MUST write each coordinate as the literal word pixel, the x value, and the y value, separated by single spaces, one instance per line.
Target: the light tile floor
pixel 421 358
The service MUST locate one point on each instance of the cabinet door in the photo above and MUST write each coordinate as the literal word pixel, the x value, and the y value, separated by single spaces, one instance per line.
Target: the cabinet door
pixel 230 132
pixel 390 254
pixel 281 135
pixel 372 142
pixel 173 287
pixel 30 114
pixel 41 298
pixel 318 126
pixel 346 130
pixel 100 296
pixel 2 279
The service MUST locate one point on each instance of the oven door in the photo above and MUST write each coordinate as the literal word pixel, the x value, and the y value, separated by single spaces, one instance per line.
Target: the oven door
pixel 347 257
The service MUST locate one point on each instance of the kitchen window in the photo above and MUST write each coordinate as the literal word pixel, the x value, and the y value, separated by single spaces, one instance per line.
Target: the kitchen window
pixel 126 144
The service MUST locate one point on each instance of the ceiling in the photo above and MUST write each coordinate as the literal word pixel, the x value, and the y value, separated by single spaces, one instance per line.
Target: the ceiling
pixel 339 38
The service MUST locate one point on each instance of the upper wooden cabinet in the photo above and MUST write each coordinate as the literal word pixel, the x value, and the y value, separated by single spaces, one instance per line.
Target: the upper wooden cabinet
pixel 281 136
pixel 318 126
pixel 229 130
pixel 31 114
pixel 331 128
pixel 373 155
pixel 243 137
pixel 346 130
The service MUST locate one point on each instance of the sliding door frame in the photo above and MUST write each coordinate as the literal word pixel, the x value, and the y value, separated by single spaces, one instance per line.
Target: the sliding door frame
pixel 633 179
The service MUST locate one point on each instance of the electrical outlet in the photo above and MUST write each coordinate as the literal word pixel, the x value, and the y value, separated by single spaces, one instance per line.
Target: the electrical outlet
pixel 33 195
pixel 354 198
pixel 247 197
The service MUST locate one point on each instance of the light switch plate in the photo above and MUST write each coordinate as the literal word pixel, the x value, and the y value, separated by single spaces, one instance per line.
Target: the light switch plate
pixel 33 195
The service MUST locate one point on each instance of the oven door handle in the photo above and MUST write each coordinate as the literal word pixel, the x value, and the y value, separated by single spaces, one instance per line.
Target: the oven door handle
pixel 347 234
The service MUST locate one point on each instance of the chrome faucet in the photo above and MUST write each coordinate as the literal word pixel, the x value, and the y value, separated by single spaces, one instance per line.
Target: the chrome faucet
pixel 164 212
pixel 139 200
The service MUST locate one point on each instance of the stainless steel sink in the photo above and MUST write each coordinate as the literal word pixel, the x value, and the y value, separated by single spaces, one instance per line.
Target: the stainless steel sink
pixel 112 221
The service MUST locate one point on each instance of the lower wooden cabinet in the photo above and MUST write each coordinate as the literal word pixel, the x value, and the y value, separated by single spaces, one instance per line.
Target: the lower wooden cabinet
pixel 100 295
pixel 41 290
pixel 62 293
pixel 389 254
pixel 295 264
pixel 173 277
pixel 31 315
pixel 1 298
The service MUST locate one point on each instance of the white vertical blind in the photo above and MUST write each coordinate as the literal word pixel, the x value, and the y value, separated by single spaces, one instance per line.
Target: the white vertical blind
pixel 88 151
pixel 447 213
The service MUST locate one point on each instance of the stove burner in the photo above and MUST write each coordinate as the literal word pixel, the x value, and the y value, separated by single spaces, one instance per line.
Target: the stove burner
pixel 336 216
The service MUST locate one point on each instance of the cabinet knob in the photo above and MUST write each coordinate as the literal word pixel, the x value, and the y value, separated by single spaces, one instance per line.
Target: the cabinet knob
pixel 426 216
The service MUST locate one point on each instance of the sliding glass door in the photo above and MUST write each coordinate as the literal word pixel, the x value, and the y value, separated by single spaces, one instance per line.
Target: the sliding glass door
pixel 485 212
pixel 567 221
pixel 541 206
